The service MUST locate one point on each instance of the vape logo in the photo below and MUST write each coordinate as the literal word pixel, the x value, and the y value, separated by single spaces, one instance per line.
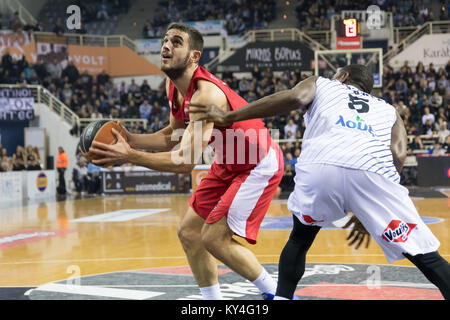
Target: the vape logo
pixel 74 20
pixel 375 17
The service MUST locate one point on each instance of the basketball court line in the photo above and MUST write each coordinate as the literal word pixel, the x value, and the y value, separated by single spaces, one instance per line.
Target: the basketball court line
pixel 362 284
pixel 184 257
pixel 97 291
pixel 121 215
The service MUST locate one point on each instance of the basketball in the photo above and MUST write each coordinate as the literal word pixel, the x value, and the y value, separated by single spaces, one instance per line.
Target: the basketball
pixel 100 131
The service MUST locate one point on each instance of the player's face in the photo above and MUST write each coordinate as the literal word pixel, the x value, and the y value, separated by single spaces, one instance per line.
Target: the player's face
pixel 175 53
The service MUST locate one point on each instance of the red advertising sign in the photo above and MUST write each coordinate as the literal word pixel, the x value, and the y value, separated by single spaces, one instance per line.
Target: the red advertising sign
pixel 348 43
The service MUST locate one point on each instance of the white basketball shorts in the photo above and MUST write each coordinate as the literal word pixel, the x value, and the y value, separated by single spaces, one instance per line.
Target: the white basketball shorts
pixel 324 193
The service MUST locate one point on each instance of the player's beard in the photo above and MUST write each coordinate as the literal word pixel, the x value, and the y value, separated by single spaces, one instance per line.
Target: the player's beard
pixel 176 71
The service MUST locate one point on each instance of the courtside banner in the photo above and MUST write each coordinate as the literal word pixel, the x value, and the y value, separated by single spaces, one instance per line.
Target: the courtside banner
pixel 115 61
pixel 143 182
pixel 16 104
pixel 430 48
pixel 17 44
pixel 147 46
pixel 277 55
pixel 39 184
pixel 207 27
pixel 10 186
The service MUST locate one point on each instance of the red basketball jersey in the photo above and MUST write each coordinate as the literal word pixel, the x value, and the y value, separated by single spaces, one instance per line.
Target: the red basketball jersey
pixel 250 137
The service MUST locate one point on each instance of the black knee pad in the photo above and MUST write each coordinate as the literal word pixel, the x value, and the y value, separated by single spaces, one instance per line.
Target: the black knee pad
pixel 302 233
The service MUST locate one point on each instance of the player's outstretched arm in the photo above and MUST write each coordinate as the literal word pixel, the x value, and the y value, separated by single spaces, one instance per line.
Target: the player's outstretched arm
pixel 399 143
pixel 278 103
pixel 162 140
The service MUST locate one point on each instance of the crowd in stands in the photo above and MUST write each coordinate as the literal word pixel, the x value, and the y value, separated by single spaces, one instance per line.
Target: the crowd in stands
pixel 239 15
pixel 420 93
pixel 102 9
pixel 23 159
pixel 90 11
pixel 91 96
pixel 316 15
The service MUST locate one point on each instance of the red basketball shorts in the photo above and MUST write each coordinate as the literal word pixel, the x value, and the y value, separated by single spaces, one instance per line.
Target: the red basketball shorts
pixel 242 197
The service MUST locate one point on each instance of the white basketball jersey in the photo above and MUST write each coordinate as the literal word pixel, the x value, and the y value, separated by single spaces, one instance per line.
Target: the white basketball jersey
pixel 349 128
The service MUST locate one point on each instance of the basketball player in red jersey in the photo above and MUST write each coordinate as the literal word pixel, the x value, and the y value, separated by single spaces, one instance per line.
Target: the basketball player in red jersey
pixel 235 195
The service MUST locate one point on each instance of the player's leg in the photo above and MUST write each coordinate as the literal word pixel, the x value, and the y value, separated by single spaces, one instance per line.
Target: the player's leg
pixel 389 215
pixel 316 200
pixel 435 268
pixel 293 258
pixel 202 263
pixel 218 240
pixel 241 211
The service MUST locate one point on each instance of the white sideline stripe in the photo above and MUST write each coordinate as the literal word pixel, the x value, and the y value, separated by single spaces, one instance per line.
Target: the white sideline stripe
pixel 407 284
pixel 99 291
pixel 121 215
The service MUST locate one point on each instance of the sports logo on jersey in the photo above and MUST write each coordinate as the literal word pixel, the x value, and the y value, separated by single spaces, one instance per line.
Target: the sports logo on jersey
pixel 309 219
pixel 358 124
pixel 397 231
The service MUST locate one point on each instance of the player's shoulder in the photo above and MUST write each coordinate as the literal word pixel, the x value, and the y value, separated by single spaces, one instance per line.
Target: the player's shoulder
pixel 209 91
pixel 322 82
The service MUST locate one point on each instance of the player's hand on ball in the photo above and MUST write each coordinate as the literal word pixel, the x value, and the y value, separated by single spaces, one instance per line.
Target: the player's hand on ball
pixel 114 154
pixel 358 233
pixel 211 113
pixel 128 134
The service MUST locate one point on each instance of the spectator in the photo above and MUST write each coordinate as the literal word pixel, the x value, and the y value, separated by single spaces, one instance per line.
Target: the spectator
pixel 58 28
pixel 93 179
pixel 156 125
pixel 54 69
pixel 102 10
pixel 145 87
pixel 428 127
pixel 443 132
pixel 33 163
pixel 62 162
pixel 132 87
pixel 103 78
pixel 427 116
pixel 436 101
pixel 18 163
pixel 244 86
pixel 416 144
pixel 446 145
pixel 132 111
pixel 67 92
pixel 436 150
pixel 96 114
pixel 290 127
pixel 145 110
pixel 28 70
pixel 71 71
pixel 80 176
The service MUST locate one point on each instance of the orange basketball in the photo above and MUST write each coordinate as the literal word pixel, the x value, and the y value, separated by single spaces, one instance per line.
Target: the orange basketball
pixel 100 131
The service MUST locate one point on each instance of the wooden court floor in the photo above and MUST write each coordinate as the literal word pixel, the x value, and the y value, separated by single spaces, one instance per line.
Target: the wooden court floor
pixel 49 241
